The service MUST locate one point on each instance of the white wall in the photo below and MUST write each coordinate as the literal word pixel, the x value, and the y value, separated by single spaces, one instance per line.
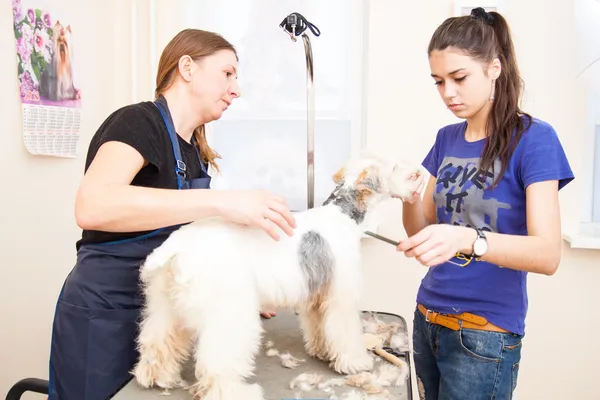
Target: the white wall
pixel 404 113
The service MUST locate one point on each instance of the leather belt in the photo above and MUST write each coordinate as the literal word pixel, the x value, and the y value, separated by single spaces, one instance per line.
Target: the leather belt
pixel 456 321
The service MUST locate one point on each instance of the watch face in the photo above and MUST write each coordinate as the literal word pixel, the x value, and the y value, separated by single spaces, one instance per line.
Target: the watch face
pixel 480 246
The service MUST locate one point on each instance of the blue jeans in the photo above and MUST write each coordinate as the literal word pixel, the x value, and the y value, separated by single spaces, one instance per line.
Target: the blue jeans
pixel 465 364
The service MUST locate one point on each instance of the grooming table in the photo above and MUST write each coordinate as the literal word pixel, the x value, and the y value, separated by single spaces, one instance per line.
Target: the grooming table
pixel 283 330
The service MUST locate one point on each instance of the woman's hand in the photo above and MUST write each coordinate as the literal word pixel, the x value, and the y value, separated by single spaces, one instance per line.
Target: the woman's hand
pixel 438 243
pixel 267 314
pixel 416 195
pixel 259 208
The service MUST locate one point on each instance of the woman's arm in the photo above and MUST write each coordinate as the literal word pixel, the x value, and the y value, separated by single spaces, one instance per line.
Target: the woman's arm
pixel 106 201
pixel 417 214
pixel 539 252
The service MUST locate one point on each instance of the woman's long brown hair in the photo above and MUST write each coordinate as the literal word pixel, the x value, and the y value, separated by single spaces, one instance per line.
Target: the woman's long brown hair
pixel 485 37
pixel 195 43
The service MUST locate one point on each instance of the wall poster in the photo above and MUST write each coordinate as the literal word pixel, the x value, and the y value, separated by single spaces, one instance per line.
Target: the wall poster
pixel 49 94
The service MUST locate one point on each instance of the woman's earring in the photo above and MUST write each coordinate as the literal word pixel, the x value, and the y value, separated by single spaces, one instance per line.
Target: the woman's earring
pixel 493 90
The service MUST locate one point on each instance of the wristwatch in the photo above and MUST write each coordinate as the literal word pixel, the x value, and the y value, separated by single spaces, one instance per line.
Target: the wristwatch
pixel 480 245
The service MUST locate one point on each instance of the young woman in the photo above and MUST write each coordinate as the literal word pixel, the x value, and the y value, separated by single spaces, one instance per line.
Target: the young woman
pixel 489 215
pixel 146 175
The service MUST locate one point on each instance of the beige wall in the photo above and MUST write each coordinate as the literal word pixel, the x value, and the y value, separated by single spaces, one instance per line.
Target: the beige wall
pixel 37 219
pixel 39 231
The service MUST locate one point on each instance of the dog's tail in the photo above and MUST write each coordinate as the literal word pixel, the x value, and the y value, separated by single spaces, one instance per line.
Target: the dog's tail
pixel 159 258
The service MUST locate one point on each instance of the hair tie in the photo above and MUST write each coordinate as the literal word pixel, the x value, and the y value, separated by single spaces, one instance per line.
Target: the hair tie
pixel 480 13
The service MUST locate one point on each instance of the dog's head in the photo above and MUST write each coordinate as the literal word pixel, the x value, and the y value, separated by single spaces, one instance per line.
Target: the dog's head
pixel 376 178
pixel 62 41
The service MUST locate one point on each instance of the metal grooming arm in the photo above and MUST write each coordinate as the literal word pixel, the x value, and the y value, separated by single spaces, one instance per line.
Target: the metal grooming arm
pixel 294 25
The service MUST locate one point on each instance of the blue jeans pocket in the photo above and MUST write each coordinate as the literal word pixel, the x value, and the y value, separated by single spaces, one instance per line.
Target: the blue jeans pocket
pixel 483 345
pixel 515 374
pixel 512 356
pixel 511 342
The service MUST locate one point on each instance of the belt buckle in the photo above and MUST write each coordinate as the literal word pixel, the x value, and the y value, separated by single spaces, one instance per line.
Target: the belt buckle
pixel 427 315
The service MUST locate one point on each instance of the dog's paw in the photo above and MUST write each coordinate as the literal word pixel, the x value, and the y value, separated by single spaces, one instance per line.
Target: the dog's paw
pixel 322 357
pixel 254 392
pixel 144 373
pixel 227 390
pixel 149 374
pixel 353 365
pixel 314 352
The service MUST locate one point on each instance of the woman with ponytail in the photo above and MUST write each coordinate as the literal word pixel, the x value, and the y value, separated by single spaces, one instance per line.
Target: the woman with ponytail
pixel 488 217
pixel 146 174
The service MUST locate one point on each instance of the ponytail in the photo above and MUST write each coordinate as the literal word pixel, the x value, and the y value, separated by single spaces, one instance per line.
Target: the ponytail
pixel 506 117
pixel 208 155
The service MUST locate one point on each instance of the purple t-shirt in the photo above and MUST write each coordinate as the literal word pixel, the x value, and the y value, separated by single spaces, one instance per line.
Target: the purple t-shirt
pixel 499 294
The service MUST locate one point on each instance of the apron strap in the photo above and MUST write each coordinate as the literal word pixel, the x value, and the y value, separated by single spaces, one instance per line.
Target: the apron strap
pixel 180 167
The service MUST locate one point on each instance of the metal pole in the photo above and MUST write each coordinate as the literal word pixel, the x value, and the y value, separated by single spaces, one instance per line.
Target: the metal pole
pixel 310 143
pixel 295 24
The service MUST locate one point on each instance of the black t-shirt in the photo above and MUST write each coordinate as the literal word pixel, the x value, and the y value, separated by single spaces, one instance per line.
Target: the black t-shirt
pixel 142 127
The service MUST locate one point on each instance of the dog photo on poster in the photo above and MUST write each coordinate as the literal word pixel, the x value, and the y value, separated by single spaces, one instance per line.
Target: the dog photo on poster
pixel 50 97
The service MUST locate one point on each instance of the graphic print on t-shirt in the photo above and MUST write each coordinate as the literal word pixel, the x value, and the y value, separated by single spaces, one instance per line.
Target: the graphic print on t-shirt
pixel 460 197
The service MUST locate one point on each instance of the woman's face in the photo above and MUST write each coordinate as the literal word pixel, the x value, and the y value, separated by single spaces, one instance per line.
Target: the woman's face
pixel 214 84
pixel 464 83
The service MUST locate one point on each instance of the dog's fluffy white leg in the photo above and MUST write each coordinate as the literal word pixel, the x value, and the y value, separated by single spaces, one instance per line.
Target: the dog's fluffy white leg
pixel 163 342
pixel 227 389
pixel 344 339
pixel 229 339
pixel 311 324
pixel 342 324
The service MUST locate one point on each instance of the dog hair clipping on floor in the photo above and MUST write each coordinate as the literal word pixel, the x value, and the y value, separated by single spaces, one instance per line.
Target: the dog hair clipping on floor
pixel 352 395
pixel 366 381
pixel 374 383
pixel 399 342
pixel 389 332
pixel 272 352
pixel 329 384
pixel 306 381
pixel 356 395
pixel 289 361
pixel 392 375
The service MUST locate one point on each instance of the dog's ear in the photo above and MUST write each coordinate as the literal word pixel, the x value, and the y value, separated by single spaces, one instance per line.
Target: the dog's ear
pixel 368 180
pixel 367 183
pixel 338 177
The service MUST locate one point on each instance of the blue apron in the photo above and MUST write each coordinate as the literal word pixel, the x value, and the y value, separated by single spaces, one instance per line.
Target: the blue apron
pixel 97 314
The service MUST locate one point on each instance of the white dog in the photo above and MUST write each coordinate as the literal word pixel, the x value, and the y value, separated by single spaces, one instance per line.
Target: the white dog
pixel 206 284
